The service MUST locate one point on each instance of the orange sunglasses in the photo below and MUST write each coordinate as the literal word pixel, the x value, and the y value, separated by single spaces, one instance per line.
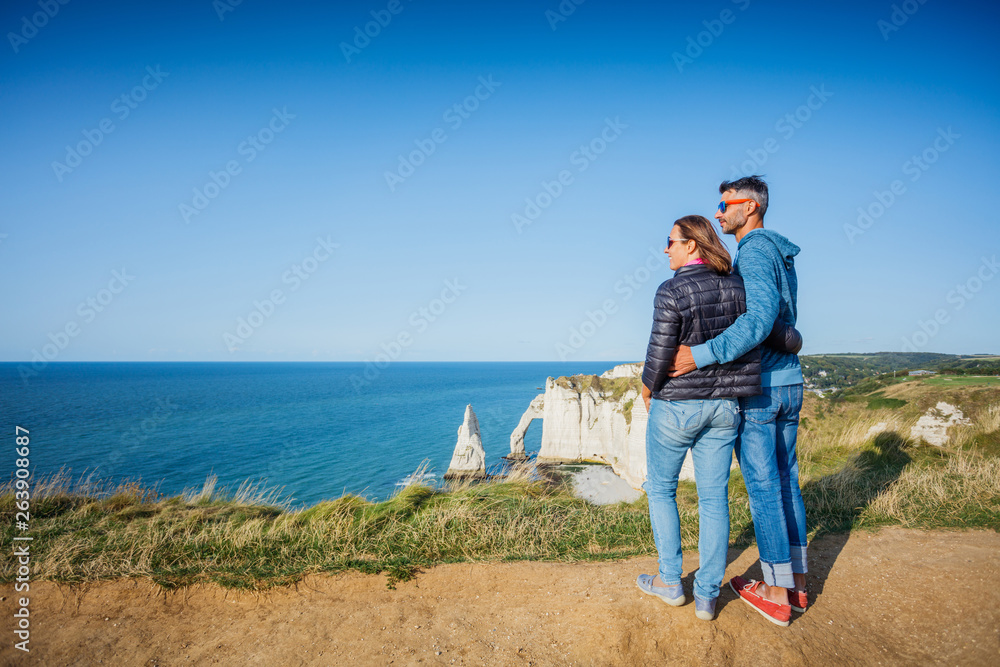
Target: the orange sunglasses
pixel 726 202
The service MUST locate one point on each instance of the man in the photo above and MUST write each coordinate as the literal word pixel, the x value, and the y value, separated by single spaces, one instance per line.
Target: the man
pixel 765 446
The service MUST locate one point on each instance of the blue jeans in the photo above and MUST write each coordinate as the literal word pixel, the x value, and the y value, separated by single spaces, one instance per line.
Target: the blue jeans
pixel 766 452
pixel 708 428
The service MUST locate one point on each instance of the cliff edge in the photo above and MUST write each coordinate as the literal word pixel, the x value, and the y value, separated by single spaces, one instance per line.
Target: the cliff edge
pixel 594 418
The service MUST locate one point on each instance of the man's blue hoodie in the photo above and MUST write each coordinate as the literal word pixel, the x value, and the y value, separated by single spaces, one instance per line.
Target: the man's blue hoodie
pixel 766 261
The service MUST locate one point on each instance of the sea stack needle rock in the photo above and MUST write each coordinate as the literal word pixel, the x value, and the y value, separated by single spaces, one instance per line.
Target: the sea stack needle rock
pixel 469 459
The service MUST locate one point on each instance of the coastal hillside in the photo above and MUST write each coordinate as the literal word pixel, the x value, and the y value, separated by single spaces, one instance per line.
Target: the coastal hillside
pixel 915 454
pixel 477 572
pixel 827 372
pixel 591 418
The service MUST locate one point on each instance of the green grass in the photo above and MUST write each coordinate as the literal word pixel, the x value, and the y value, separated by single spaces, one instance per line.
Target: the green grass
pixel 963 381
pixel 219 537
pixel 850 476
pixel 627 410
pixel 610 389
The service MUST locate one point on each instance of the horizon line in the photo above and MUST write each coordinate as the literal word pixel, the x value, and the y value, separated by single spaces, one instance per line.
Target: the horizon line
pixel 441 361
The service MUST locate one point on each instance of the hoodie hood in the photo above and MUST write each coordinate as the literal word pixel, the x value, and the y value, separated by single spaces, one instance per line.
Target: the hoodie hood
pixel 786 248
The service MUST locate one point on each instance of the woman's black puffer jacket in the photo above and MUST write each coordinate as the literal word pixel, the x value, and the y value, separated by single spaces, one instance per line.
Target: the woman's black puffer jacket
pixel 691 308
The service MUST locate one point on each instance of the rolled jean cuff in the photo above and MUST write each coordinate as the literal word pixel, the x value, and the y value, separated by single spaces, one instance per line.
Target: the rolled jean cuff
pixel 799 559
pixel 778 574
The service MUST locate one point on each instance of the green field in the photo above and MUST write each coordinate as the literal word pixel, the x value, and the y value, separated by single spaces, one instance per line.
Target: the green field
pixel 964 381
pixel 825 371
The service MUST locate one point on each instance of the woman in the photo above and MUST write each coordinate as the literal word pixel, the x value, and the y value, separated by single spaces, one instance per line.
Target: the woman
pixel 696 411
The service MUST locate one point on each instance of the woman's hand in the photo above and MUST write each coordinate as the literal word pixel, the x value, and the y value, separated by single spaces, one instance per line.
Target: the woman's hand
pixel 646 396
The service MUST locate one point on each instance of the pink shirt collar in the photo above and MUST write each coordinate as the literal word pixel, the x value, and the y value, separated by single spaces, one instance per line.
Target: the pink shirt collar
pixel 696 260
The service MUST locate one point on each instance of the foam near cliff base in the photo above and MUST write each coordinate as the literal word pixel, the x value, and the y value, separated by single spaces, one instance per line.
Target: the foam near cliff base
pixel 599 485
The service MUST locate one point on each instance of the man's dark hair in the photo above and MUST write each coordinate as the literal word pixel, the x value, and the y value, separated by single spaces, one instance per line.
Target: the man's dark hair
pixel 748 187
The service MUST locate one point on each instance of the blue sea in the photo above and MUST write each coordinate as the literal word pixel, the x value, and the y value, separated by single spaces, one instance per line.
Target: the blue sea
pixel 318 430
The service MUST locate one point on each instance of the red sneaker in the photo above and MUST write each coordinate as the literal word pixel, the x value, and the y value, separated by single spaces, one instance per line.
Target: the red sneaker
pixel 798 600
pixel 779 614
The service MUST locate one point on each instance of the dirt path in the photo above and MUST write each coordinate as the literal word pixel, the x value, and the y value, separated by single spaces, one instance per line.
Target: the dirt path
pixel 894 597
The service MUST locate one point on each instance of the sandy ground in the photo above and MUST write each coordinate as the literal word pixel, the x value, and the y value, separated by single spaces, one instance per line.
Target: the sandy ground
pixel 895 597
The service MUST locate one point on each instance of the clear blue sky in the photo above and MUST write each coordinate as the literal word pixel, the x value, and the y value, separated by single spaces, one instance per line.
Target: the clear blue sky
pixel 678 128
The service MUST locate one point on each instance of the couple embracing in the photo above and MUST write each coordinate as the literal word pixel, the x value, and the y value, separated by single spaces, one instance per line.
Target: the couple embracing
pixel 722 375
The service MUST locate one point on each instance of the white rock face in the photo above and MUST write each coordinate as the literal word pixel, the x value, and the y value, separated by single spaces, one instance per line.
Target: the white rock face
pixel 623 371
pixel 582 422
pixel 469 459
pixel 933 426
pixel 534 411
pixel 633 467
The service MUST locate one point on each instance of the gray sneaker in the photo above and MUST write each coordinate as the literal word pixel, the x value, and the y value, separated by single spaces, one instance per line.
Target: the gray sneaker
pixel 672 595
pixel 704 609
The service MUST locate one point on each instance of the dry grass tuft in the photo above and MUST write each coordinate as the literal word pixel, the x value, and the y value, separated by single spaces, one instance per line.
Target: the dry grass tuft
pixel 963 491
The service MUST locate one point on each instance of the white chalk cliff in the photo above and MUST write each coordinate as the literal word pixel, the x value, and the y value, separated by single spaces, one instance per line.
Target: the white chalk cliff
pixel 587 418
pixel 591 418
pixel 594 418
pixel 469 458
pixel 623 371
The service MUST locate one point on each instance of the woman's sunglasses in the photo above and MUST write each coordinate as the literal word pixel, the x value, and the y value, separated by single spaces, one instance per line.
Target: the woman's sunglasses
pixel 726 202
pixel 671 241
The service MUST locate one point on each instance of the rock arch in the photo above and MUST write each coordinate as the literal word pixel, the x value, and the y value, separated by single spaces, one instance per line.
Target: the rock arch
pixel 535 411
